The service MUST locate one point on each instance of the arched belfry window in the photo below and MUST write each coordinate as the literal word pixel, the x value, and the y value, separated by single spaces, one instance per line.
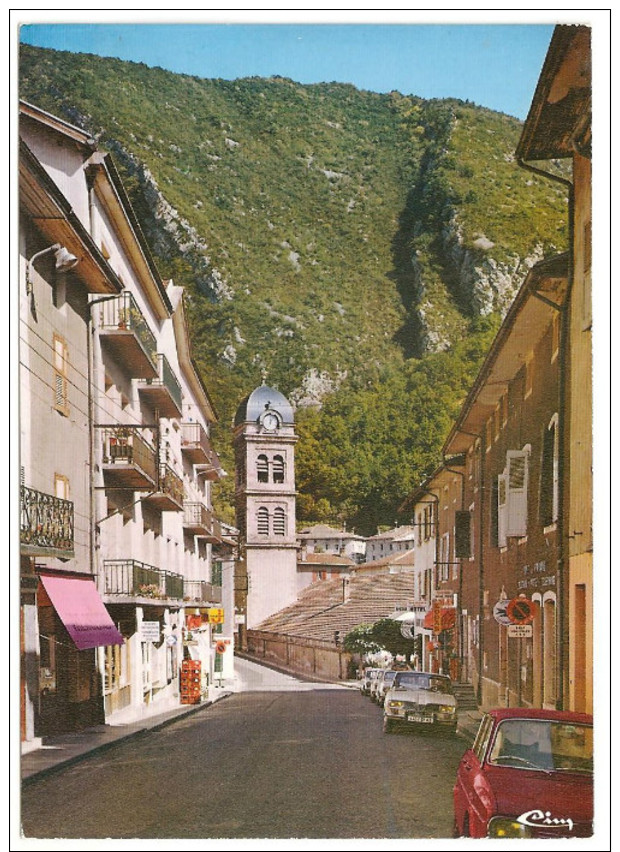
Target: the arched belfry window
pixel 279 521
pixel 278 469
pixel 262 521
pixel 262 468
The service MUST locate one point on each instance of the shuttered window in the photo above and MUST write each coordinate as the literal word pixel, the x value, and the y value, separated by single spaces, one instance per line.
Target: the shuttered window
pixel 279 521
pixel 549 477
pixel 517 467
pixel 278 469
pixel 61 358
pixel 502 509
pixel 512 487
pixel 262 521
pixel 262 468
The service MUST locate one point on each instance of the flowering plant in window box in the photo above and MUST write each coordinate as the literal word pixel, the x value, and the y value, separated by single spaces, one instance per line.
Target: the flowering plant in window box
pixel 150 590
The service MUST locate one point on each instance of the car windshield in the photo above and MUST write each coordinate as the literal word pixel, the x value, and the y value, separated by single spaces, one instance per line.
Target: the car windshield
pixel 543 744
pixel 421 680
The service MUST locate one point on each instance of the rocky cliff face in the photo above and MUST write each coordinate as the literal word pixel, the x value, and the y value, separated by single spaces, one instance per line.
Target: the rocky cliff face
pixel 320 232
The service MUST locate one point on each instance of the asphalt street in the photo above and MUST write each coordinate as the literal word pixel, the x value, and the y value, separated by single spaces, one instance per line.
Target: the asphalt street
pixel 278 758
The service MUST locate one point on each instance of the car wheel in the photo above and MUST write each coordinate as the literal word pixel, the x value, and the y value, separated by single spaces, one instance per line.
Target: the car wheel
pixel 388 725
pixel 466 832
pixel 455 830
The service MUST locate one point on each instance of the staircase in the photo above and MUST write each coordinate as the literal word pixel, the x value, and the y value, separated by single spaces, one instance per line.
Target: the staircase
pixel 465 696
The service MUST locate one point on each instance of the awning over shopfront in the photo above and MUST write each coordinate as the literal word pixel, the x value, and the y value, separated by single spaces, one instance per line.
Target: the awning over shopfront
pixel 448 618
pixel 81 610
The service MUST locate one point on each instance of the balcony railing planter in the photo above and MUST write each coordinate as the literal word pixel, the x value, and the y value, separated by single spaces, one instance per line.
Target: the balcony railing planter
pixel 201 592
pixel 129 461
pixel 163 392
pixel 46 524
pixel 169 494
pixel 125 332
pixel 129 579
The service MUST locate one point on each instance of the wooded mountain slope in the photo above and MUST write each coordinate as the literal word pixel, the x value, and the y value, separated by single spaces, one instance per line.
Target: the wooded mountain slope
pixel 354 249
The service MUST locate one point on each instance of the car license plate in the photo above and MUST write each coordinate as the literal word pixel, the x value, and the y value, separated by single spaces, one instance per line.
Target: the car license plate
pixel 413 717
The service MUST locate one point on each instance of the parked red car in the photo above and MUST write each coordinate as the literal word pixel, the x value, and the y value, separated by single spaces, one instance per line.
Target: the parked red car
pixel 528 774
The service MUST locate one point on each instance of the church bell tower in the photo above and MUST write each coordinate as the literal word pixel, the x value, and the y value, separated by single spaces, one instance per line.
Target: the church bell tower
pixel 264 441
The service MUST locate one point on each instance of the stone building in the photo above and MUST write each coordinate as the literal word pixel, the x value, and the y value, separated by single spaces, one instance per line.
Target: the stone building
pixel 264 441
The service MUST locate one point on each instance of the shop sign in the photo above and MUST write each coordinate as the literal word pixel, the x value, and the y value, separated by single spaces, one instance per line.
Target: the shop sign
pixel 149 631
pixel 520 631
pixel 437 608
pixel 216 615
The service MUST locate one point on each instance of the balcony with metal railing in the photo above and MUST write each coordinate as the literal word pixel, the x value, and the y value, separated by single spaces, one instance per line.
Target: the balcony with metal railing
pixel 125 332
pixel 46 525
pixel 195 443
pixel 201 592
pixel 168 496
pixel 128 580
pixel 201 522
pixel 164 391
pixel 128 459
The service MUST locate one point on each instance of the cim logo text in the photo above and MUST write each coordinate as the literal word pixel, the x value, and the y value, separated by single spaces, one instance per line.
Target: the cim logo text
pixel 536 818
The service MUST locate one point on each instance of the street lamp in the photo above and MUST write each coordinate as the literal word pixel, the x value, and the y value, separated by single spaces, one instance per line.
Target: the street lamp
pixel 64 261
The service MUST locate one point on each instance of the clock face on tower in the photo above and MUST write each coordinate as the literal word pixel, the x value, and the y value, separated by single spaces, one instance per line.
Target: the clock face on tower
pixel 270 421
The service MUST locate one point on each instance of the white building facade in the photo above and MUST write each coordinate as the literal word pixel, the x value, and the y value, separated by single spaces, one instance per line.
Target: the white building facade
pixel 132 445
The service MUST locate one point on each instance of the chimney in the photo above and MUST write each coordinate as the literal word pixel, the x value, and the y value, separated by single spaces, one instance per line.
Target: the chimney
pixel 346 592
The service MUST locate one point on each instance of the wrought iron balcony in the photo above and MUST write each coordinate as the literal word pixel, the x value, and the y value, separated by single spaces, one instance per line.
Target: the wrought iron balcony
pixel 128 578
pixel 125 332
pixel 197 519
pixel 195 443
pixel 164 391
pixel 46 524
pixel 129 461
pixel 169 494
pixel 201 592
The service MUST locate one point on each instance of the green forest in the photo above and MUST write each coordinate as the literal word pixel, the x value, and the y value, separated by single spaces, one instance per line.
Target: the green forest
pixel 355 250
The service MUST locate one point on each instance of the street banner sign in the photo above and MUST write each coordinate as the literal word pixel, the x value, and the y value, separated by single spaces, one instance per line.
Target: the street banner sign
pixel 520 631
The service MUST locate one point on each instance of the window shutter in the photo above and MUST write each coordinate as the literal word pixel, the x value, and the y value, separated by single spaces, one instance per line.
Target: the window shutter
pixel 502 509
pixel 262 520
pixel 278 469
pixel 279 522
pixel 462 537
pixel 262 468
pixel 516 524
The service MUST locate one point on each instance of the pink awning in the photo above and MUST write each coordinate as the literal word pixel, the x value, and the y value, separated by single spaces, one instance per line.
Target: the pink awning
pixel 81 610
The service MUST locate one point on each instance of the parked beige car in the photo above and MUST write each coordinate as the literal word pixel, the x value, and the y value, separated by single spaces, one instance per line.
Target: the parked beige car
pixel 420 700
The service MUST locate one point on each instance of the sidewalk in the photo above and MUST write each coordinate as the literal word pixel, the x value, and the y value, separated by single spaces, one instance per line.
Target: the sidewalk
pixel 66 749
pixel 468 724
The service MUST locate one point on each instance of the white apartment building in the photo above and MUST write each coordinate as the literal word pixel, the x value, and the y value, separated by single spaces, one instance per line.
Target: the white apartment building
pixel 321 538
pixel 128 443
pixel 397 540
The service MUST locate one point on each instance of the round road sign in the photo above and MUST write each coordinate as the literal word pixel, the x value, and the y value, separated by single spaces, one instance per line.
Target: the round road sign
pixel 521 610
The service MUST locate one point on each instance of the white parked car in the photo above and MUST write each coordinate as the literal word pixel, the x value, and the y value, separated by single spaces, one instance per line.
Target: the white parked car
pixel 382 684
pixel 420 700
pixel 368 677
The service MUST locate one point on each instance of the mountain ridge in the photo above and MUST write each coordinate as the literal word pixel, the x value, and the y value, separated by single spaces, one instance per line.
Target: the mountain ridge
pixel 327 237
